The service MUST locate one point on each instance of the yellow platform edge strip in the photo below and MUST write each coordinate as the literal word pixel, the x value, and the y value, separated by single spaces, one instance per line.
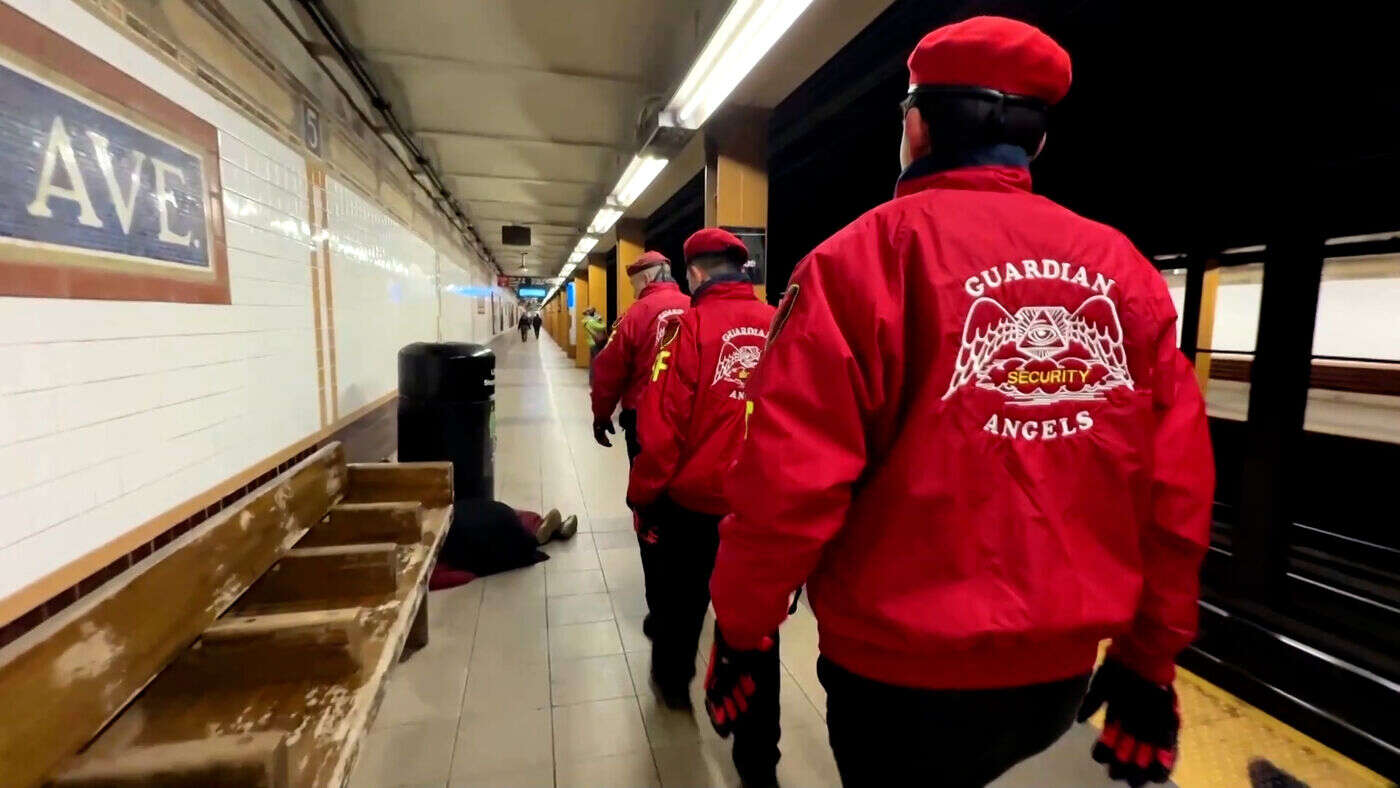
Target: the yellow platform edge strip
pixel 1221 735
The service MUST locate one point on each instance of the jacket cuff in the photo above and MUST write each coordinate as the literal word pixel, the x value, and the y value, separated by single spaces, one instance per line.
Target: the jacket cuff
pixel 740 639
pixel 1154 668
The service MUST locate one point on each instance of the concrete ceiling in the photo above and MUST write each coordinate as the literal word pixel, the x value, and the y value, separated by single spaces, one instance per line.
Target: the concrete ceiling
pixel 817 35
pixel 529 108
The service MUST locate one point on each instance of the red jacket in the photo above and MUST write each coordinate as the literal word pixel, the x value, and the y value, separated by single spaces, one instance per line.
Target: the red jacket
pixel 975 440
pixel 622 368
pixel 691 419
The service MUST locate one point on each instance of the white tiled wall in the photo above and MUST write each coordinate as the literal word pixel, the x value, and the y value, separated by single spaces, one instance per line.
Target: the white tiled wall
pixel 384 282
pixel 112 412
pixel 465 296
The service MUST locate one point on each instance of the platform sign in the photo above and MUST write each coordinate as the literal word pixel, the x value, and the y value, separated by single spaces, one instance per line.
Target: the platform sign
pixel 756 240
pixel 311 127
pixel 108 190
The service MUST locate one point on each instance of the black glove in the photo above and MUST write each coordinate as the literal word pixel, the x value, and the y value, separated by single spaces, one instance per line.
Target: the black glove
pixel 601 430
pixel 1140 730
pixel 729 683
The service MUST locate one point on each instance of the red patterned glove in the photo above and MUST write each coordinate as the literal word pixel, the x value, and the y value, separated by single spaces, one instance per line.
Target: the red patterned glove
pixel 729 683
pixel 1139 739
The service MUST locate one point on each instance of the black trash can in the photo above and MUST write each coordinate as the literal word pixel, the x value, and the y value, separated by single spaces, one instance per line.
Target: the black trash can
pixel 446 412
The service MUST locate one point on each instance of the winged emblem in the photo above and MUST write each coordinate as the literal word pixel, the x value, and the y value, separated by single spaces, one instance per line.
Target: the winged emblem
pixel 736 363
pixel 1043 354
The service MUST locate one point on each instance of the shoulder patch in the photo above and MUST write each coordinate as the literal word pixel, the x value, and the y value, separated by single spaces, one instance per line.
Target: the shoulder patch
pixel 670 329
pixel 784 310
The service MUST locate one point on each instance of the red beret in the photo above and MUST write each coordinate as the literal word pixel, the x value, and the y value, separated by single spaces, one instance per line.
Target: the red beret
pixel 647 260
pixel 993 52
pixel 713 240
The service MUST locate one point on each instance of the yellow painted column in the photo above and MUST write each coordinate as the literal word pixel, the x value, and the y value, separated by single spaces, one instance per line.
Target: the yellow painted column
pixel 631 237
pixel 598 285
pixel 1205 332
pixel 736 171
pixel 565 324
pixel 581 343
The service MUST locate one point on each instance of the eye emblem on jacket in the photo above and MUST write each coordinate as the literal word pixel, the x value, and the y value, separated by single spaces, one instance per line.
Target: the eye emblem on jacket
pixel 1042 354
pixel 738 357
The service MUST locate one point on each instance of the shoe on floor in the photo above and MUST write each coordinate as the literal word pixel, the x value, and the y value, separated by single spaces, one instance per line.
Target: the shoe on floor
pixel 549 526
pixel 569 528
pixel 646 628
pixel 672 697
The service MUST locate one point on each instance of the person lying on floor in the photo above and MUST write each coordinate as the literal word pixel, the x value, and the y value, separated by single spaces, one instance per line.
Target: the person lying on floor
pixel 487 537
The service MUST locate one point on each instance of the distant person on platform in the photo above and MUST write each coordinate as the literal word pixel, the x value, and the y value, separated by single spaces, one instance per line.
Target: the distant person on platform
pixel 536 321
pixel 975 441
pixel 597 332
pixel 524 325
pixel 692 417
pixel 623 368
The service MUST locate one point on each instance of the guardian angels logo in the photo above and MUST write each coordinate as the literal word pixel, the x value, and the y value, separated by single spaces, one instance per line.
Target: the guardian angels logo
pixel 738 357
pixel 1044 354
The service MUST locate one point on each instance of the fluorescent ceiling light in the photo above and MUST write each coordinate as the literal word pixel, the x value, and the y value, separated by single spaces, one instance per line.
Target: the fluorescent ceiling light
pixel 1167 256
pixel 640 172
pixel 568 269
pixel 576 257
pixel 1357 239
pixel 585 244
pixel 604 221
pixel 745 34
pixel 1245 249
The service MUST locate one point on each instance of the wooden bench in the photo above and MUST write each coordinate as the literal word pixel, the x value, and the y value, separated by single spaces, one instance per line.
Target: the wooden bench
pixel 251 651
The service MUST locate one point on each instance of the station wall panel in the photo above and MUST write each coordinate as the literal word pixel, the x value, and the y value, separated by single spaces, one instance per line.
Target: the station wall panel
pixel 384 286
pixel 115 414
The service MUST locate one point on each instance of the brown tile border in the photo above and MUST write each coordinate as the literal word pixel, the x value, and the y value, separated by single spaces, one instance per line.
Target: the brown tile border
pixel 35 603
pixel 1368 378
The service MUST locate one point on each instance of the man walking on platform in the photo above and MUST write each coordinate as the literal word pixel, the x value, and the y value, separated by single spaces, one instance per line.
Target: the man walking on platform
pixel 974 439
pixel 623 368
pixel 536 321
pixel 524 325
pixel 692 421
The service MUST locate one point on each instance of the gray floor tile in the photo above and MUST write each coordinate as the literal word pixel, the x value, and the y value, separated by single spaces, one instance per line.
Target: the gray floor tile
pixel 502 740
pixel 579 609
pixel 599 728
pixel 630 770
pixel 577 641
pixel 414 754
pixel 595 678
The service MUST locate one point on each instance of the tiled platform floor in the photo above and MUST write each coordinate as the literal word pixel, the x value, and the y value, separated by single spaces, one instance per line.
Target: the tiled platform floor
pixel 538 677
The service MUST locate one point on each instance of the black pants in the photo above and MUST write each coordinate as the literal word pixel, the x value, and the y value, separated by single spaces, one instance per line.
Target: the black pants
pixel 885 735
pixel 524 333
pixel 627 419
pixel 678 595
pixel 537 332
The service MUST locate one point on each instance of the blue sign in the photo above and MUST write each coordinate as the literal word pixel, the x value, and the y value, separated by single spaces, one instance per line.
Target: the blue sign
pixel 76 175
pixel 533 292
pixel 569 296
